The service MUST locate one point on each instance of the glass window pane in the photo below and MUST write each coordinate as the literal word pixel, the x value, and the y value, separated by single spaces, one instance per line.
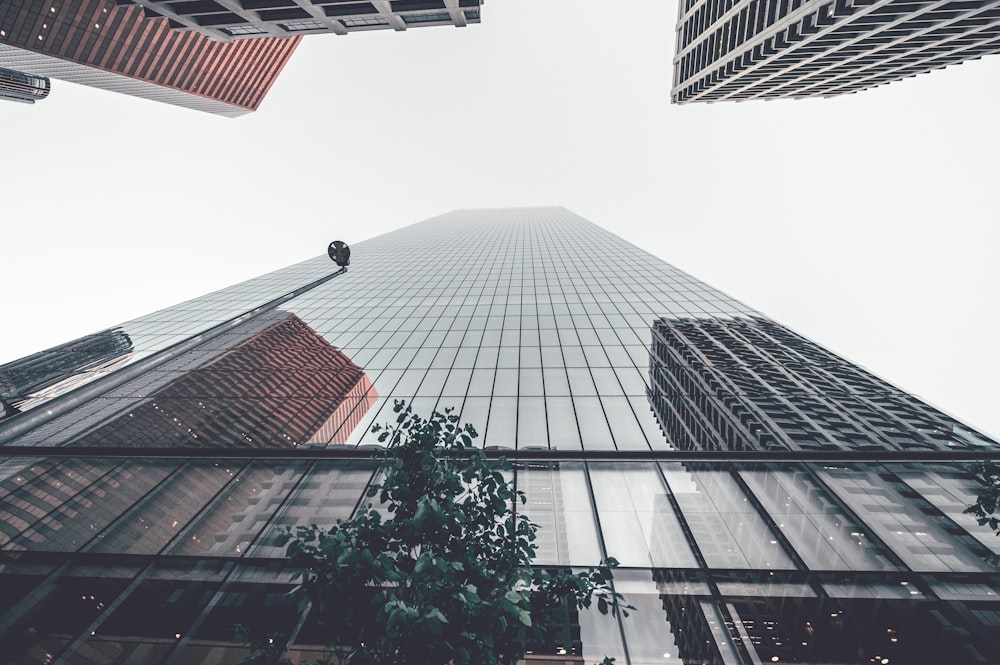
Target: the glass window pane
pixel 726 526
pixel 531 423
pixel 593 425
pixel 823 534
pixel 563 431
pixel 559 503
pixel 637 521
pixel 501 432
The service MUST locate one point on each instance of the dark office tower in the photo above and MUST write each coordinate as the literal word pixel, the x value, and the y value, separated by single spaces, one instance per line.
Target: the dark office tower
pixel 792 509
pixel 281 387
pixel 247 19
pixel 20 87
pixel 119 48
pixel 34 379
pixel 752 384
pixel 772 49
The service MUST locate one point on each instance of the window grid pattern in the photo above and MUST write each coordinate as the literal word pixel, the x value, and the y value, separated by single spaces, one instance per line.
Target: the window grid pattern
pixel 299 26
pixel 115 47
pixel 752 384
pixel 244 30
pixel 769 49
pixel 868 540
pixel 543 344
pixel 278 18
pixel 364 20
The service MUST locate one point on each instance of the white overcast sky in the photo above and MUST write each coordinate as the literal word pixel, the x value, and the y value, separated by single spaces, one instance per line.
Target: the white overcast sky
pixel 867 223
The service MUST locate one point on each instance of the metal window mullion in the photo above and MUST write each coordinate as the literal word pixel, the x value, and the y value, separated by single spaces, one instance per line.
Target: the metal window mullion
pixel 68 402
pixel 768 520
pixel 317 14
pixel 761 37
pixel 139 504
pixel 205 508
pixel 686 15
pixel 603 548
pixel 775 430
pixel 303 476
pixel 923 578
pixel 179 645
pixel 880 29
pixel 62 503
pixel 741 649
pixel 344 453
pixel 870 532
pixel 71 648
pixel 835 406
pixel 873 76
pixel 164 9
pixel 776 394
pixel 961 54
pixel 779 24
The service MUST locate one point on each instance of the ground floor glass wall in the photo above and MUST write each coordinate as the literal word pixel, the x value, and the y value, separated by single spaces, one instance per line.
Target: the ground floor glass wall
pixel 153 560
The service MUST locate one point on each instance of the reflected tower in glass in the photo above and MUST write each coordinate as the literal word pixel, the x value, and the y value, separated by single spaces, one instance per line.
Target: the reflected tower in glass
pixel 769 501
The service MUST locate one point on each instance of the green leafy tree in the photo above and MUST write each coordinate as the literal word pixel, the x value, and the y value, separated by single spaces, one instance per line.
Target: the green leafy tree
pixel 986 509
pixel 988 501
pixel 438 571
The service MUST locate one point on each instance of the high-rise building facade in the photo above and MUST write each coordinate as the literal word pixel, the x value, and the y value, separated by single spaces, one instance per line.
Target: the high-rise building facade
pixel 243 19
pixel 773 49
pixel 120 48
pixel 769 501
pixel 22 87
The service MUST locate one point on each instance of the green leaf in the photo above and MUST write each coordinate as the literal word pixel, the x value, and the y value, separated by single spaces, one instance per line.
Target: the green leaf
pixel 444 562
pixel 514 597
pixel 436 615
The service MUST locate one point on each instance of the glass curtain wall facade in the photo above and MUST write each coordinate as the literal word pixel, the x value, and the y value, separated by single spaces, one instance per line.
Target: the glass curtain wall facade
pixel 769 501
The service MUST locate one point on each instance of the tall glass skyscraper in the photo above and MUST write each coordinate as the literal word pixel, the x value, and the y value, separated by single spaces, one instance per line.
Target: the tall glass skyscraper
pixel 769 501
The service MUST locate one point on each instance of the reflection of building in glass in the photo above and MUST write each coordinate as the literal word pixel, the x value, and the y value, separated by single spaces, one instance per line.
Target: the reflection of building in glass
pixel 103 44
pixel 782 619
pixel 545 506
pixel 792 509
pixel 751 384
pixel 282 386
pixel 765 49
pixel 541 484
pixel 21 379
